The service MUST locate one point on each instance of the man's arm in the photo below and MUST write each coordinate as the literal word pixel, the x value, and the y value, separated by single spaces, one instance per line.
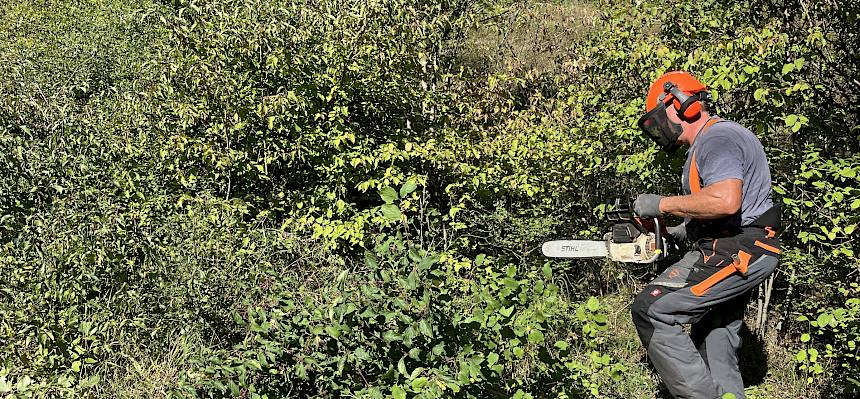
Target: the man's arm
pixel 717 200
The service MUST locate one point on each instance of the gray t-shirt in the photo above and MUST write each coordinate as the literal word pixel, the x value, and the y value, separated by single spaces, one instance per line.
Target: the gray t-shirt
pixel 727 150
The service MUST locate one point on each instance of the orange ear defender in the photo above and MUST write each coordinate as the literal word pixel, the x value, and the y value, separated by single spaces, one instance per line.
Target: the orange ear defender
pixel 689 107
pixel 685 92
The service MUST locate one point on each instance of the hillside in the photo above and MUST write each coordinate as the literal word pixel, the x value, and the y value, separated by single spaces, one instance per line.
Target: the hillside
pixel 277 199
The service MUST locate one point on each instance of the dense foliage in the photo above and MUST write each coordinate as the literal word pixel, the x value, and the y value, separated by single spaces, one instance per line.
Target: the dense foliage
pixel 260 198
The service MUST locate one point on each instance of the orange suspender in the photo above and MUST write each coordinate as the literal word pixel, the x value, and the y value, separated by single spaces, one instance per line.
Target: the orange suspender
pixel 694 169
pixel 695 186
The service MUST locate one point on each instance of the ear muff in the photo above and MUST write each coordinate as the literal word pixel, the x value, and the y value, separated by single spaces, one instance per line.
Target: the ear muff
pixel 689 107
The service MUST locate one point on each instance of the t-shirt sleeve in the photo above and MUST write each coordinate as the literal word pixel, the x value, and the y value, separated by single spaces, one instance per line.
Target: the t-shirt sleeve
pixel 721 158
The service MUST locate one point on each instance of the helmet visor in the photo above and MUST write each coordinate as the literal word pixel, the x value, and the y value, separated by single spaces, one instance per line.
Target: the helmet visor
pixel 658 127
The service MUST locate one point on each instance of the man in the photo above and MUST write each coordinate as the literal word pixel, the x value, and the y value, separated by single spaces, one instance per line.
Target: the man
pixel 731 221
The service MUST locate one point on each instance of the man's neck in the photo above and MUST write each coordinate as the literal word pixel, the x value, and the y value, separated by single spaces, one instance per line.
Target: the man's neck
pixel 695 129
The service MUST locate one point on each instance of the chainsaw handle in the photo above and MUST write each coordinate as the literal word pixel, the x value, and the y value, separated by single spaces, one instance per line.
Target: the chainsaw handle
pixel 658 235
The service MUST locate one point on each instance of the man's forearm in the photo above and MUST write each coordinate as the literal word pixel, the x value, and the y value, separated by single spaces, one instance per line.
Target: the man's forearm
pixel 691 206
pixel 713 202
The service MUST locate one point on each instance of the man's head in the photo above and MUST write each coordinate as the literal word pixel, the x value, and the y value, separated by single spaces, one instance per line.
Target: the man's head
pixel 674 110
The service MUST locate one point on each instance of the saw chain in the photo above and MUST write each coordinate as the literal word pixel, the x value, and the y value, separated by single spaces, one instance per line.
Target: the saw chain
pixel 630 239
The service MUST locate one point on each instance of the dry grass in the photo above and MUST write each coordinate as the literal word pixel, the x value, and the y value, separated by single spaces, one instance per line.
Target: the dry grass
pixel 530 36
pixel 148 376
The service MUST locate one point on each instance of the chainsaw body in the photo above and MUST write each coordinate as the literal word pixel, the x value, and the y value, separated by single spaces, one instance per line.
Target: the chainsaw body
pixel 629 240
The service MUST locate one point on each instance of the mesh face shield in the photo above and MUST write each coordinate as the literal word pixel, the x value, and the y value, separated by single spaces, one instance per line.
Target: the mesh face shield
pixel 656 124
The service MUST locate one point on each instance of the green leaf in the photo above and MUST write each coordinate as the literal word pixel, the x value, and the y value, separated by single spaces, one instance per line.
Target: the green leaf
pixel 593 304
pixel 391 212
pixel 510 283
pixel 342 276
pixel 412 281
pixel 428 262
pixel 800 356
pixel 234 389
pixel 408 188
pixel 361 354
pixel 419 383
pixel 519 352
pixel 561 345
pixel 370 260
pixel 479 260
pixel 805 338
pixel 791 120
pixel 438 349
pixel 401 367
pixel 798 63
pixel 397 392
pixel 787 68
pixel 391 336
pixel 535 337
pixel 388 195
pixel 424 328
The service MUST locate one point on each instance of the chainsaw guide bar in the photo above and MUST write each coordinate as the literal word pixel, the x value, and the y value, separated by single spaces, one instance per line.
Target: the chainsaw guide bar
pixel 575 249
pixel 628 241
pixel 642 249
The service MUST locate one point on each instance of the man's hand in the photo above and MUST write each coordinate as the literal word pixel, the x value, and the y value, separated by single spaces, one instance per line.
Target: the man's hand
pixel 647 206
pixel 679 232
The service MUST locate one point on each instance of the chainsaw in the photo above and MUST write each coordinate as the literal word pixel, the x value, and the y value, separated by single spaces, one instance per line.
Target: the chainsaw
pixel 631 239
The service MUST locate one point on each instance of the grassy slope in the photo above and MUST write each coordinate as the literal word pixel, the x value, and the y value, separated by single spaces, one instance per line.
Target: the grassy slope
pixel 767 366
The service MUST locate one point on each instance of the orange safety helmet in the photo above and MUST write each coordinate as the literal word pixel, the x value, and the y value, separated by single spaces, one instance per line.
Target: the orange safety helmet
pixel 685 93
pixel 685 100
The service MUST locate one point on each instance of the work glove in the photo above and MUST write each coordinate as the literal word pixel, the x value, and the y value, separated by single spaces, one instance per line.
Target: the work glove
pixel 647 206
pixel 679 232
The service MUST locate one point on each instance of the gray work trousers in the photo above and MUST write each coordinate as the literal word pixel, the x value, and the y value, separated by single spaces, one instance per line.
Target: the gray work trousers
pixel 704 365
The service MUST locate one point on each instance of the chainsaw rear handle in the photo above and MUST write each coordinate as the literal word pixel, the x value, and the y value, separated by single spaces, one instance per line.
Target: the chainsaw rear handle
pixel 658 233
